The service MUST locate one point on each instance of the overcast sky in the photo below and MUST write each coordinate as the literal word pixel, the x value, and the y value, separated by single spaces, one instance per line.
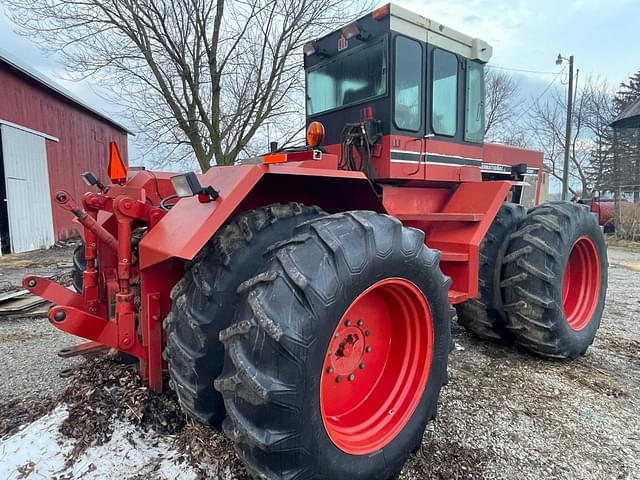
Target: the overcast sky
pixel 603 35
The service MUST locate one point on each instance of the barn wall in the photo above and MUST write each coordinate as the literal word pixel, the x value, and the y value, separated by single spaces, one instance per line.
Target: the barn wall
pixel 84 137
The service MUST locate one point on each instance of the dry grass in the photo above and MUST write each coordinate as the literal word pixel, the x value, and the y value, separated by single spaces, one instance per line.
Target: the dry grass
pixel 628 227
pixel 616 241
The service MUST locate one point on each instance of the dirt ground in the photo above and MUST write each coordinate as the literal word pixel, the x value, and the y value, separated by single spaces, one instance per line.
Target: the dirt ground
pixel 504 414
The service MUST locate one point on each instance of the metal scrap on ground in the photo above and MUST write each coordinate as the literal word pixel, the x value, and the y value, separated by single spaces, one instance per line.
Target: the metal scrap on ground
pixel 22 304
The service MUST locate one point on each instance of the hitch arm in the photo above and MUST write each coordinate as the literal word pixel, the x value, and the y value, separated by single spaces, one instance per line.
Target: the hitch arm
pixel 52 291
pixel 66 201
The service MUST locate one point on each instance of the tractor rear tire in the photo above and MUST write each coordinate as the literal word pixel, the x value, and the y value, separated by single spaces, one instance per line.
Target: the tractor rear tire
pixel 484 316
pixel 335 361
pixel 555 280
pixel 205 300
pixel 79 265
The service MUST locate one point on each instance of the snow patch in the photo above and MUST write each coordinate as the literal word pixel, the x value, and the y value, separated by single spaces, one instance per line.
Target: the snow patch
pixel 40 449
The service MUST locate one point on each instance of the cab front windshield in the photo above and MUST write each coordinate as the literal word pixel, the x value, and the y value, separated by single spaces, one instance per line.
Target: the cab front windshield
pixel 351 77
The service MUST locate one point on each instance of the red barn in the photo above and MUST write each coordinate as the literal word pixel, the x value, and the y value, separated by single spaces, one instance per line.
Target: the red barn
pixel 48 138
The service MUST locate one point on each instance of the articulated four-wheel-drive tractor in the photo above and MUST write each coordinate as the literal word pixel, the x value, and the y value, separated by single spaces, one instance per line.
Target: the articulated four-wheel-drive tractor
pixel 303 300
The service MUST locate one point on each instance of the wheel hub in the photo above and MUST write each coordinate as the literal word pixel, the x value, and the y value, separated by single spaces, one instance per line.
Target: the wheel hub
pixel 376 366
pixel 581 283
pixel 346 350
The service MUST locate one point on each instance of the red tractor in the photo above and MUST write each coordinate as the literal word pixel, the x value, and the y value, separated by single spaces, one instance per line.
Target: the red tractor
pixel 303 300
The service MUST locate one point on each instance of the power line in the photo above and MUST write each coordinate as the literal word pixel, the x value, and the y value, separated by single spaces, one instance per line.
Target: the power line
pixel 509 69
pixel 541 95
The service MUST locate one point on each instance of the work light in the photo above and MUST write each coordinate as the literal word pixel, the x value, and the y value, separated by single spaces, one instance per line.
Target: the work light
pixel 91 180
pixel 309 48
pixel 354 30
pixel 187 185
pixel 312 48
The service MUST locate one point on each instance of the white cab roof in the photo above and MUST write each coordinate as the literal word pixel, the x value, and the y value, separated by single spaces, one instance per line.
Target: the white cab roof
pixel 426 30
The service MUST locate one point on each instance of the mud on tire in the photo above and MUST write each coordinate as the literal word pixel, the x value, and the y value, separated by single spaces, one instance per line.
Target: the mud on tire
pixel 484 316
pixel 555 280
pixel 281 337
pixel 204 301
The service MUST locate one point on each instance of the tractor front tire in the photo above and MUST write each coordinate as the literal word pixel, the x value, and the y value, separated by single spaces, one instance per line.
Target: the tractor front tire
pixel 484 316
pixel 205 300
pixel 335 361
pixel 555 280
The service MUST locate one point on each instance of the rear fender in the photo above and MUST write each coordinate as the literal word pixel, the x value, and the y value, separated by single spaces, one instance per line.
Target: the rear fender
pixel 187 227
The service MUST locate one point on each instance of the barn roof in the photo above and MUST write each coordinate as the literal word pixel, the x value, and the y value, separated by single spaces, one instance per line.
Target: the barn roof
pixel 629 117
pixel 40 78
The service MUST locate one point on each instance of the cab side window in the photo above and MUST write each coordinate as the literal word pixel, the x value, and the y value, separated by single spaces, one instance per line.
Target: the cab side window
pixel 408 84
pixel 474 109
pixel 444 113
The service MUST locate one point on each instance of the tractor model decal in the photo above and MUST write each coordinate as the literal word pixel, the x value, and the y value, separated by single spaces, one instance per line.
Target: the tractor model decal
pixel 401 156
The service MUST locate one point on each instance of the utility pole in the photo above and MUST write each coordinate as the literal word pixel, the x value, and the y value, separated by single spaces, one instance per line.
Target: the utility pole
pixel 567 139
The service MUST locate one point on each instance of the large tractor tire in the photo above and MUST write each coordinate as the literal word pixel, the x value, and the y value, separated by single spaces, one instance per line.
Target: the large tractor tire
pixel 555 280
pixel 79 265
pixel 335 361
pixel 205 300
pixel 484 316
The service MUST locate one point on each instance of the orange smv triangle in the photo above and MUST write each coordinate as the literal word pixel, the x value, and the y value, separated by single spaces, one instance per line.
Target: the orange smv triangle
pixel 117 168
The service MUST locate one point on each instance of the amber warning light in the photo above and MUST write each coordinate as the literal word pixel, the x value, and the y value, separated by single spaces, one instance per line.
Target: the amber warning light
pixel 117 168
pixel 315 134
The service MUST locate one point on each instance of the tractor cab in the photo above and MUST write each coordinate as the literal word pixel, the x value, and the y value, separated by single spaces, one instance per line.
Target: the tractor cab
pixel 402 97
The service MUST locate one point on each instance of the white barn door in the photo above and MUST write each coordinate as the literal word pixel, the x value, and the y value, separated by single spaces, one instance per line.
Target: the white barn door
pixel 28 195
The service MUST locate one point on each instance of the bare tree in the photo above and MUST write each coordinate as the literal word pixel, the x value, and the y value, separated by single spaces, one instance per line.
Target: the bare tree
pixel 199 76
pixel 591 147
pixel 502 104
pixel 599 113
pixel 547 124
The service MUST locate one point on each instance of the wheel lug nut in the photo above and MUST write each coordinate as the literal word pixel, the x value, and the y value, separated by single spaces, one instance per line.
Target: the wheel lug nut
pixel 347 323
pixel 338 379
pixel 367 348
pixel 361 366
pixel 367 333
pixel 360 323
pixel 330 370
pixel 352 377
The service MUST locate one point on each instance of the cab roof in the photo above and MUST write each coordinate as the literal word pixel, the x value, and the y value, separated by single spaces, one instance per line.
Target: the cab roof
pixel 435 33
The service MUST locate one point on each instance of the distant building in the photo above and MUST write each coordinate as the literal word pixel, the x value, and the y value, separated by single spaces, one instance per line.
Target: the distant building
pixel 629 117
pixel 48 138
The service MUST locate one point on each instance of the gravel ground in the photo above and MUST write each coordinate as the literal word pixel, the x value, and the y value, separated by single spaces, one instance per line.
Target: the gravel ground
pixel 28 351
pixel 504 414
pixel 29 346
pixel 54 262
